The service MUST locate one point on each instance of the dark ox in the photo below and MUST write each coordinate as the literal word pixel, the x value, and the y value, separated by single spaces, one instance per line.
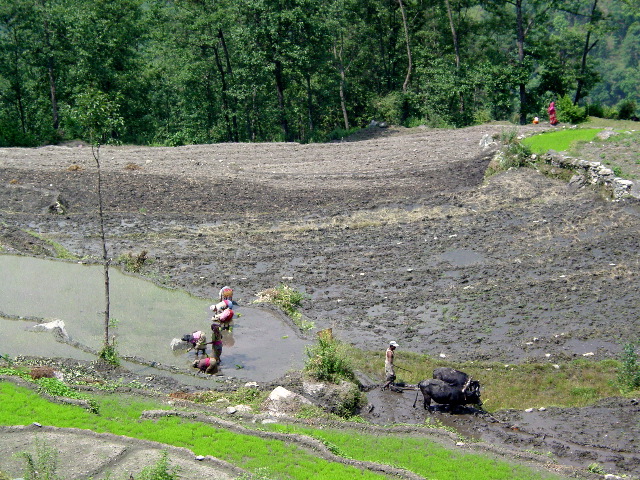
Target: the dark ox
pixel 449 387
pixel 453 377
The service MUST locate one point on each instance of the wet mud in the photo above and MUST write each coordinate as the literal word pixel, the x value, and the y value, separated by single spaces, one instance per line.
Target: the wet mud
pixel 395 235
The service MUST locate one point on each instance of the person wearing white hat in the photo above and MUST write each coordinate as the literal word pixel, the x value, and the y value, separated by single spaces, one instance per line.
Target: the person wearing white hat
pixel 389 369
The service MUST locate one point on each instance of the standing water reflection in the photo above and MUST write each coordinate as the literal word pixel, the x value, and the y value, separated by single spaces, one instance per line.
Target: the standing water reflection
pixel 145 317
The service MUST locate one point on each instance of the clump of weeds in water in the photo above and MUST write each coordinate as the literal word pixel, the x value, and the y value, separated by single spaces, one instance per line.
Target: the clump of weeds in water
pixel 629 371
pixel 289 300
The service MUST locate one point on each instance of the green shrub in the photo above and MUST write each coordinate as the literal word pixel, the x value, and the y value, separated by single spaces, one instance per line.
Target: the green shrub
pixel 570 113
pixel 626 109
pixel 629 371
pixel 595 110
pixel 596 468
pixel 326 361
pixel 42 465
pixel 351 401
pixel 161 470
pixel 133 263
pixel 390 108
pixel 513 153
pixel 340 133
pixel 110 355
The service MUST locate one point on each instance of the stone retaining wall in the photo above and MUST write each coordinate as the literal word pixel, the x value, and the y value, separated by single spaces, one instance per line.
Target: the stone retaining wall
pixel 594 173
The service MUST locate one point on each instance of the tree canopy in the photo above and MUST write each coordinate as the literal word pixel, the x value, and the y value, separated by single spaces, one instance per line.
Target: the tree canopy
pixel 205 71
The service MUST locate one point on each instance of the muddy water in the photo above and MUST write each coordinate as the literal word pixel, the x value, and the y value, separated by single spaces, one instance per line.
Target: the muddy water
pixel 146 317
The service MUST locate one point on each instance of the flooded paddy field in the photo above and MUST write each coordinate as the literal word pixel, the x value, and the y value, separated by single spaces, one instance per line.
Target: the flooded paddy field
pixel 396 235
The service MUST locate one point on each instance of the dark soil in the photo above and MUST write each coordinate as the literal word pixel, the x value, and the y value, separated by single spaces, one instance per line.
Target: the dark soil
pixel 393 235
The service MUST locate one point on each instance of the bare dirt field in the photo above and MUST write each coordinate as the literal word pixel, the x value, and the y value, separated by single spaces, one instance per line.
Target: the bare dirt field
pixel 394 234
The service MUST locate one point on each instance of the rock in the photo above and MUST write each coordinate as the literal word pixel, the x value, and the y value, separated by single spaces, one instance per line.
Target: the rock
pixel 335 398
pixel 529 410
pixel 231 410
pixel 283 402
pixel 486 141
pixel 251 384
pixel 243 408
pixel 607 133
pixel 56 326
pixel 177 344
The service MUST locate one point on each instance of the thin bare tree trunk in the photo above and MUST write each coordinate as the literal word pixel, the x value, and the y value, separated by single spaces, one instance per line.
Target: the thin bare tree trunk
pixel 585 51
pixel 454 34
pixel 105 258
pixel 337 54
pixel 456 48
pixel 405 85
pixel 520 42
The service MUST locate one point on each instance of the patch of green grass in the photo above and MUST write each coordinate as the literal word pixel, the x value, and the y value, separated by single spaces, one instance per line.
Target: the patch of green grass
pixel 278 459
pixel 417 454
pixel 289 300
pixel 574 384
pixel 560 140
pixel 59 250
pixel 243 396
pixel 596 122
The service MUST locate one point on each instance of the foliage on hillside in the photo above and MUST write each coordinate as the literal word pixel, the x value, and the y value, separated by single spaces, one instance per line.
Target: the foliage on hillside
pixel 179 72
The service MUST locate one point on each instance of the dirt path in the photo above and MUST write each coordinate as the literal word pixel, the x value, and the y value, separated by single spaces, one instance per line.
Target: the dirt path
pixel 391 236
pixel 85 454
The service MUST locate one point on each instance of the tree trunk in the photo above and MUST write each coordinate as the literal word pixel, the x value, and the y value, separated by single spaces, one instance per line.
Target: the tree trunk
pixel 232 105
pixel 454 34
pixel 520 42
pixel 223 86
pixel 337 54
pixel 16 85
pixel 52 78
pixel 405 85
pixel 309 103
pixel 105 257
pixel 456 49
pixel 585 51
pixel 281 106
pixel 52 90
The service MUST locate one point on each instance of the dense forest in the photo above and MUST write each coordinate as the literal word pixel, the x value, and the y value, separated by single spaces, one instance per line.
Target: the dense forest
pixel 171 72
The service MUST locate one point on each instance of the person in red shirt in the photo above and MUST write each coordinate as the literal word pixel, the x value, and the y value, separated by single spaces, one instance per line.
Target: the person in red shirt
pixel 207 365
pixel 553 120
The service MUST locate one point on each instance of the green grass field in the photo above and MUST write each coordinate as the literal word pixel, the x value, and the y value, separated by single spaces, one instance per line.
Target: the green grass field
pixel 560 140
pixel 273 459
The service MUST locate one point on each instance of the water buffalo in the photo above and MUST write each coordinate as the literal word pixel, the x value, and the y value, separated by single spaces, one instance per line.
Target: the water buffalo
pixel 453 377
pixel 441 392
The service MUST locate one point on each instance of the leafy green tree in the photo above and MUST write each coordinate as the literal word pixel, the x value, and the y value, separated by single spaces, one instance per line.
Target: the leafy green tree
pixel 283 37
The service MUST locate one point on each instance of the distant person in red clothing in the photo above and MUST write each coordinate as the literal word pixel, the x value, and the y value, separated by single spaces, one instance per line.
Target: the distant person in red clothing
pixel 553 120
